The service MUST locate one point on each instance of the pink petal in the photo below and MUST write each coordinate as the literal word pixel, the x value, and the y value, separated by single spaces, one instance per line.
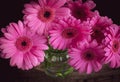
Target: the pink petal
pixel 95 68
pixel 21 26
pixel 30 17
pixel 61 46
pixel 113 62
pixel 42 3
pixel 12 31
pixel 33 59
pixel 118 63
pixel 41 28
pixel 56 43
pixel 31 11
pixel 56 3
pixel 52 39
pixel 42 47
pixel 41 59
pixel 71 62
pixel 28 6
pixel 38 40
pixel 90 4
pixel 35 5
pixel 6 56
pixel 4 30
pixel 109 58
pixel 99 66
pixel 77 65
pixel 32 20
pixel 27 62
pixel 34 26
pixel 15 26
pixel 39 54
pixel 89 68
pixel 54 33
pixel 9 36
pixel 3 40
pixel 62 12
pixel 13 60
pixel 83 68
pixel 17 60
pixel 10 50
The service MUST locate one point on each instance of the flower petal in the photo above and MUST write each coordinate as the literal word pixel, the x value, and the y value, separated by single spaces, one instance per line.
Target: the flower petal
pixel 56 3
pixel 62 12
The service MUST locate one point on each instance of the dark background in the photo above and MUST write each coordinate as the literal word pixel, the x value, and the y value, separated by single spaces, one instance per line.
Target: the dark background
pixel 11 11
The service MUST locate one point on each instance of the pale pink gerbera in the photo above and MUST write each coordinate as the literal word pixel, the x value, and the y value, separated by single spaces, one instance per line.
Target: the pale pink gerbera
pixel 67 32
pixel 39 16
pixel 99 25
pixel 86 57
pixel 112 49
pixel 24 48
pixel 82 10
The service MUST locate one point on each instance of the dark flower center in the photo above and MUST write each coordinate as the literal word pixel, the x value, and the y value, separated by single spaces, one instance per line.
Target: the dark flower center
pixel 69 33
pixel 115 46
pixel 23 43
pixel 47 14
pixel 80 13
pixel 98 35
pixel 88 55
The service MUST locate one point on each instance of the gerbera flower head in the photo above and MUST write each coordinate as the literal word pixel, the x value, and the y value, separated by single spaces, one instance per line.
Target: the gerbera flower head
pixel 86 57
pixel 67 32
pixel 112 49
pixel 23 47
pixel 82 10
pixel 39 16
pixel 99 25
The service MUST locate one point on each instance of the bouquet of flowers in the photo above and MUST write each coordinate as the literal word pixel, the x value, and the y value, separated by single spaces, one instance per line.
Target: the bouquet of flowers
pixel 88 39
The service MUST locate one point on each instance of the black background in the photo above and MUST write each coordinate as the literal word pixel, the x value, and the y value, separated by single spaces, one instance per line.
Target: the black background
pixel 11 11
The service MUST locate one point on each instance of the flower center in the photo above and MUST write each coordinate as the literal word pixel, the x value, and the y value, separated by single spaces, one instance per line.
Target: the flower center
pixel 23 43
pixel 88 55
pixel 80 13
pixel 115 45
pixel 98 32
pixel 46 14
pixel 69 33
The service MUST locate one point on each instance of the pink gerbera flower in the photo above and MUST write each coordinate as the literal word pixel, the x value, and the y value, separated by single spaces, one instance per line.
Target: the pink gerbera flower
pixel 67 32
pixel 23 47
pixel 99 24
pixel 86 57
pixel 81 10
pixel 39 16
pixel 112 49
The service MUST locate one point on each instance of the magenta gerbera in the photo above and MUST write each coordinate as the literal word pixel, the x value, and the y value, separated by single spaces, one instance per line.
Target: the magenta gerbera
pixel 99 25
pixel 86 57
pixel 23 47
pixel 82 10
pixel 39 16
pixel 112 42
pixel 67 32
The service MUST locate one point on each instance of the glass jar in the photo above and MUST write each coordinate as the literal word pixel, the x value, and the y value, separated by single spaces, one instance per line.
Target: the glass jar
pixel 55 64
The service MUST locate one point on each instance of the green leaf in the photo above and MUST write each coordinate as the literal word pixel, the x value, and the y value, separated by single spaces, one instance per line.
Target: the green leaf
pixel 70 70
